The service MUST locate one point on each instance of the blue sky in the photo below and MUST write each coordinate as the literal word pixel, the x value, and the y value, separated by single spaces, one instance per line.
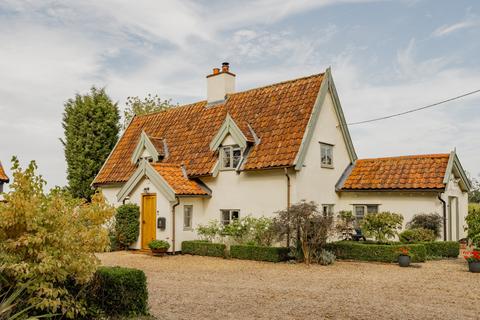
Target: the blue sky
pixel 386 57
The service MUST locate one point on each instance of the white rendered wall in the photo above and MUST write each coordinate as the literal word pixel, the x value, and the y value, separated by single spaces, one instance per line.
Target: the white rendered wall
pixel 314 183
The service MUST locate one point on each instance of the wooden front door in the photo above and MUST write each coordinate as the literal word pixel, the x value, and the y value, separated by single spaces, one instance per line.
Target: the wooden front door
pixel 149 223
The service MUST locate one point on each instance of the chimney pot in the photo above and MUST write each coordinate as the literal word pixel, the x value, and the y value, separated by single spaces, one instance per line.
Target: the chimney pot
pixel 225 67
pixel 220 83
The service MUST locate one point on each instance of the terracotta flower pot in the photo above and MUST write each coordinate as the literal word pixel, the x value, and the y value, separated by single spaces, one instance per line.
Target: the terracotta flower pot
pixel 403 261
pixel 159 252
pixel 474 266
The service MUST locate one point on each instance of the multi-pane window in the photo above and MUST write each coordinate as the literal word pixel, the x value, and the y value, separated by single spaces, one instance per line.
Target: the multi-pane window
pixel 187 217
pixel 230 156
pixel 362 209
pixel 327 210
pixel 228 215
pixel 326 155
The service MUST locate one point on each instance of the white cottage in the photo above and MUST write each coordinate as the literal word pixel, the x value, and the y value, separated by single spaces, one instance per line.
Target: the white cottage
pixel 3 180
pixel 258 151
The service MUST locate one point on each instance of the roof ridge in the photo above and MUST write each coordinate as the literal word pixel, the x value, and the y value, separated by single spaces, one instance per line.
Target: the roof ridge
pixel 233 94
pixel 428 155
pixel 279 83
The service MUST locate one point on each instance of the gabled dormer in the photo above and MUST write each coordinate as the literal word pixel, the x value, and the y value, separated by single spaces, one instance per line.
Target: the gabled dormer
pixel 232 142
pixel 150 148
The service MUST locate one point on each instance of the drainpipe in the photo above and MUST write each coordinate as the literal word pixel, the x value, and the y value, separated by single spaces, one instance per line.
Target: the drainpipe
pixel 288 205
pixel 173 223
pixel 444 204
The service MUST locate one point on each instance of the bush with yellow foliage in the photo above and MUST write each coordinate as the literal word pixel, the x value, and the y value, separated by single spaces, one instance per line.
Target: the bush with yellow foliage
pixel 48 241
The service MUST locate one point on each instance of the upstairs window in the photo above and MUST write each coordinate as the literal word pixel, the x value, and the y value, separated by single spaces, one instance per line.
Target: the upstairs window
pixel 326 155
pixel 228 215
pixel 230 157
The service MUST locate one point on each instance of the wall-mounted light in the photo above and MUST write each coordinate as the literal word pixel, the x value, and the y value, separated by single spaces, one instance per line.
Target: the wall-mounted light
pixel 126 200
pixel 146 190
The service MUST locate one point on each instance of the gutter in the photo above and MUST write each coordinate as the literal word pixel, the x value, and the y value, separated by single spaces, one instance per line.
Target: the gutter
pixel 444 205
pixel 288 204
pixel 173 224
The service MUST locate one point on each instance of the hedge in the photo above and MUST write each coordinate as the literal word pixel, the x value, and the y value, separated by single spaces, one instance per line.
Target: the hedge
pixel 119 291
pixel 272 254
pixel 444 249
pixel 375 252
pixel 203 248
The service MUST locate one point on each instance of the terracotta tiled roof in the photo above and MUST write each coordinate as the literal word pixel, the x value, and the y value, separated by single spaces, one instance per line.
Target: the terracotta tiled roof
pixel 3 175
pixel 175 178
pixel 407 172
pixel 158 144
pixel 278 114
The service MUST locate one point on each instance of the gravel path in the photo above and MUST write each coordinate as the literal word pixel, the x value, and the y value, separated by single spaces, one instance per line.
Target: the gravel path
pixel 193 287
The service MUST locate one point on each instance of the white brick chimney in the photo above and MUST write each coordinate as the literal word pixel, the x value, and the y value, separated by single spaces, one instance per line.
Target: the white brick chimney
pixel 220 83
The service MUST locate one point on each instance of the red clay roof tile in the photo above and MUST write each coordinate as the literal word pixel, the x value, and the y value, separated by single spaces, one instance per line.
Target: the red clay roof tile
pixel 3 175
pixel 175 178
pixel 405 172
pixel 278 114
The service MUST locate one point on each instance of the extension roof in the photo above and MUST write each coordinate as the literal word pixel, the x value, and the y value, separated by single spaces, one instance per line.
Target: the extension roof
pixel 415 172
pixel 176 179
pixel 3 175
pixel 278 114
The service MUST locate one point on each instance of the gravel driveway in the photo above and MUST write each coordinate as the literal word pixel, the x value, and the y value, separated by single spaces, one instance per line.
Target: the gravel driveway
pixel 193 287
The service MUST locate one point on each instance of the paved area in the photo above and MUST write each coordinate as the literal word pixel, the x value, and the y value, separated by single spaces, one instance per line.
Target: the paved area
pixel 193 287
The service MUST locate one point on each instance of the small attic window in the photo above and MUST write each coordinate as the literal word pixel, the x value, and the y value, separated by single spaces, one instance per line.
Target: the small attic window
pixel 230 157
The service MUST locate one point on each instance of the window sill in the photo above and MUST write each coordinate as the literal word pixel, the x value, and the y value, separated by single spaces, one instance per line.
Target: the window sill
pixel 326 166
pixel 187 229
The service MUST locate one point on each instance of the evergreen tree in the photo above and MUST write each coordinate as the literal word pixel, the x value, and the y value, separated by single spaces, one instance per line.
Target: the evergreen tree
pixel 91 127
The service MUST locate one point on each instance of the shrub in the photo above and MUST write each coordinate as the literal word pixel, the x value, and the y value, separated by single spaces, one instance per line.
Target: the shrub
pixel 119 291
pixel 473 223
pixel 237 230
pixel 272 254
pixel 443 249
pixel 417 235
pixel 345 221
pixel 431 221
pixel 210 231
pixel 203 248
pixel 159 244
pixel 304 222
pixel 325 257
pixel 261 231
pixel 50 240
pixel 127 225
pixel 381 226
pixel 375 252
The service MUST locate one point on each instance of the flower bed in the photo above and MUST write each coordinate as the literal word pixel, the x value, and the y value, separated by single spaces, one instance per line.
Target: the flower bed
pixel 203 248
pixel 272 254
pixel 375 252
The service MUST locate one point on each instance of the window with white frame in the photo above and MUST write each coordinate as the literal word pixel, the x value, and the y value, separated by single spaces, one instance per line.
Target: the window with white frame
pixel 228 215
pixel 326 155
pixel 187 217
pixel 230 156
pixel 362 209
pixel 327 210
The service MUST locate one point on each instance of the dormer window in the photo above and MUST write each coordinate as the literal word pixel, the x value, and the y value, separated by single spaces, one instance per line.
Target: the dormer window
pixel 230 157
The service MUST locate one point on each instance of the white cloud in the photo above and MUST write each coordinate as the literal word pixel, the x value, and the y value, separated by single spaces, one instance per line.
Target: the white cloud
pixel 49 50
pixel 469 22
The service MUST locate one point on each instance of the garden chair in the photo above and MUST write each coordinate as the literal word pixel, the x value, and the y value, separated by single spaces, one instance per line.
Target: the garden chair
pixel 358 235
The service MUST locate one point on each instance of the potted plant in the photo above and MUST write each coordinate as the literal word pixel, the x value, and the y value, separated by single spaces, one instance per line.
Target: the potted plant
pixel 473 258
pixel 404 257
pixel 159 247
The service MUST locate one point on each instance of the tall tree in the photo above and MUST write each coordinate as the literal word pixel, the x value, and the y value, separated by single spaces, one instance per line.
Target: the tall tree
pixel 91 127
pixel 149 104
